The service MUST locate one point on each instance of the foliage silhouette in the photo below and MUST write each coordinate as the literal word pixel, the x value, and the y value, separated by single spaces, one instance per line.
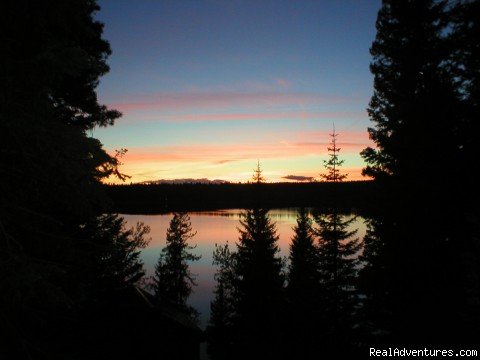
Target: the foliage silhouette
pixel 221 323
pixel 303 290
pixel 250 290
pixel 115 253
pixel 257 177
pixel 333 164
pixel 414 105
pixel 303 266
pixel 338 255
pixel 420 249
pixel 173 281
pixel 53 237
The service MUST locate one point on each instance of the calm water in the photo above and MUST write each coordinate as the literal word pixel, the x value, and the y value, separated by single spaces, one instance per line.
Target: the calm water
pixel 212 228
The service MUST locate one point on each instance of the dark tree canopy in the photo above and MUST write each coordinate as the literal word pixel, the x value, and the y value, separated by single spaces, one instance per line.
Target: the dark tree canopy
pixel 173 280
pixel 464 63
pixel 249 292
pixel 413 104
pixel 53 57
pixel 303 267
pixel 222 307
pixel 115 252
pixel 338 252
pixel 259 268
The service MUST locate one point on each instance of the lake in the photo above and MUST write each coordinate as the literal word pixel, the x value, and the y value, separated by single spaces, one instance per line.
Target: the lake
pixel 214 227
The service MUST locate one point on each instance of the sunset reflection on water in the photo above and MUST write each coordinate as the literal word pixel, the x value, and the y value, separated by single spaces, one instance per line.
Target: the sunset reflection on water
pixel 213 227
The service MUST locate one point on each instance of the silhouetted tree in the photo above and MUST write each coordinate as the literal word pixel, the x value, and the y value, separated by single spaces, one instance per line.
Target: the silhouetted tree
pixel 303 289
pixel 259 284
pixel 303 267
pixel 249 298
pixel 338 260
pixel 116 254
pixel 220 327
pixel 257 177
pixel 51 169
pixel 414 104
pixel 173 279
pixel 375 284
pixel 333 163
pixel 337 254
pixel 425 64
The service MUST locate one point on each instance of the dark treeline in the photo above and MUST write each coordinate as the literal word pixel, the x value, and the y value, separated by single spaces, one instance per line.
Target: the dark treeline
pixel 147 199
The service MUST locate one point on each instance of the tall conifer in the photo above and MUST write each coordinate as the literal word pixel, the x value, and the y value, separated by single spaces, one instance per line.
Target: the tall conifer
pixel 173 281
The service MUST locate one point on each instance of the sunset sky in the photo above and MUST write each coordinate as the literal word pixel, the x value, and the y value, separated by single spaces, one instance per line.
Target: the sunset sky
pixel 208 87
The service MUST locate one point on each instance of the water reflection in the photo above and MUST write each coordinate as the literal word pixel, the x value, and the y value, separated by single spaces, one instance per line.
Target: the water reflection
pixel 215 227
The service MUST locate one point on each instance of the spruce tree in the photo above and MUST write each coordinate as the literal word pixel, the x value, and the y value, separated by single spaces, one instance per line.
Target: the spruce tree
pixel 258 265
pixel 414 104
pixel 257 177
pixel 333 163
pixel 222 308
pixel 173 280
pixel 259 281
pixel 54 56
pixel 116 263
pixel 337 262
pixel 303 267
pixel 303 290
pixel 425 110
pixel 336 251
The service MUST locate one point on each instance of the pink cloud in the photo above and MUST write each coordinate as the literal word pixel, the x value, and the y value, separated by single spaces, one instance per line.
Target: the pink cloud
pixel 222 100
pixel 253 116
pixel 221 154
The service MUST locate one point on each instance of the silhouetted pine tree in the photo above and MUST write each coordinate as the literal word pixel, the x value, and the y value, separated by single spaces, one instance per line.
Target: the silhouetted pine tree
pixel 380 262
pixel 54 56
pixel 338 259
pixel 257 177
pixel 116 261
pixel 259 284
pixel 337 253
pixel 303 267
pixel 220 327
pixel 173 280
pixel 333 163
pixel 426 65
pixel 414 103
pixel 303 290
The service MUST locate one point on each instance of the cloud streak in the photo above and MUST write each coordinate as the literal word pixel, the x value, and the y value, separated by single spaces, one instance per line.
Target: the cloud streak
pixel 298 178
pixel 254 116
pixel 223 154
pixel 222 100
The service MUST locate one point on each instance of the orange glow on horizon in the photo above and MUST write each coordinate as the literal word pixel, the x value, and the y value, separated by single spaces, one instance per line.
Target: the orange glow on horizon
pixel 301 155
